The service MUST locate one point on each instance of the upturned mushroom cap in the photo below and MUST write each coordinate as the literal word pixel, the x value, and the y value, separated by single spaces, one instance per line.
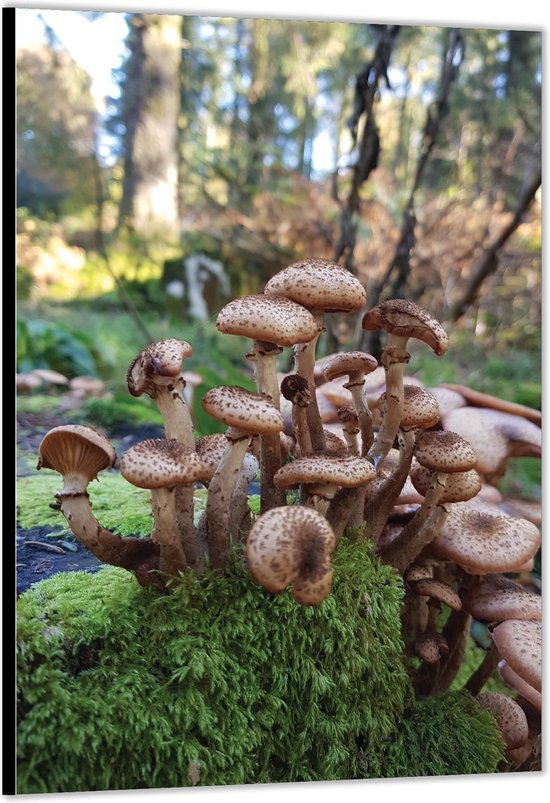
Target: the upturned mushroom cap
pixel 519 685
pixel 498 598
pixel 444 451
pixel 345 472
pixel 510 717
pixel 292 545
pixel 420 408
pixel 73 449
pixel 459 487
pixel 477 399
pixel 349 362
pixel 439 591
pixel 483 541
pixel 273 319
pixel 161 463
pixel 236 407
pixel 519 642
pixel 319 285
pixel 159 362
pixel 404 318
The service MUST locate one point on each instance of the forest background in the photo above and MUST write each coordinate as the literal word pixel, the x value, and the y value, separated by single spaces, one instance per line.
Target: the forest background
pixel 230 147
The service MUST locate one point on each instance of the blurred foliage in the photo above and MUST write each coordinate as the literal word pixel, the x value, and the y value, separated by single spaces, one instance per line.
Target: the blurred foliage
pixel 72 352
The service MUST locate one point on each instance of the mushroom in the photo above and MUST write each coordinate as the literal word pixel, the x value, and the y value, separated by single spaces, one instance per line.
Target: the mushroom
pixel 292 545
pixel 271 321
pixel 82 387
pixel 79 453
pixel 355 365
pixel 53 379
pixel 350 427
pixel 482 540
pixel 475 398
pixel 245 414
pixel 157 371
pixel 510 717
pixel 295 389
pixel 26 383
pixel 401 319
pixel 324 475
pixel 497 598
pixel 443 453
pixel 520 686
pixel 519 642
pixel 160 465
pixel 321 286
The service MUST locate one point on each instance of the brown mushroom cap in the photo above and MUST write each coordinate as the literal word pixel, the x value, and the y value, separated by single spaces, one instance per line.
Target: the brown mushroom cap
pixel 161 463
pixel 292 545
pixel 349 362
pixel 420 408
pixel 159 361
pixel 320 285
pixel 211 449
pixel 439 591
pixel 459 487
pixel 236 407
pixel 345 472
pixel 87 385
pixel 444 451
pixel 415 572
pixel 519 685
pixel 273 319
pixel 75 449
pixel 430 646
pixel 482 541
pixel 519 642
pixel 498 598
pixel 404 318
pixel 510 717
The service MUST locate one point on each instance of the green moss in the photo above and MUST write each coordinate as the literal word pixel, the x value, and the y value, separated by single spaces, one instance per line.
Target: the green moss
pixel 446 735
pixel 122 688
pixel 117 505
pixel 119 687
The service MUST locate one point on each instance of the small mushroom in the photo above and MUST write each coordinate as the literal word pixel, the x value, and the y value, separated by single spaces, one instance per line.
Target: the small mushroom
pixel 161 465
pixel 510 717
pixel 401 319
pixel 53 379
pixel 355 365
pixel 321 286
pixel 245 414
pixel 292 546
pixel 519 642
pixel 79 453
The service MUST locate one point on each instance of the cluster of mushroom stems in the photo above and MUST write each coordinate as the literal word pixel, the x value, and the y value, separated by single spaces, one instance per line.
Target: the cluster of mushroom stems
pixel 402 471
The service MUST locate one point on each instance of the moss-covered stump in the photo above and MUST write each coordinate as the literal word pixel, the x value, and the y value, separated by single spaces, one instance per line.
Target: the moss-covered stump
pixel 223 683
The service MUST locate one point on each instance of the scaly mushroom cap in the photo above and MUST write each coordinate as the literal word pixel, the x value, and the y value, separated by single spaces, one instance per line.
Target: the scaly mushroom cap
pixel 345 472
pixel 519 685
pixel 159 362
pixel 348 362
pixel 161 463
pixel 459 487
pixel 273 319
pixel 510 717
pixel 496 435
pixel 416 572
pixel 75 450
pixel 319 285
pixel 292 545
pixel 498 598
pixel 519 642
pixel 482 541
pixel 211 449
pixel 439 591
pixel 404 318
pixel 430 647
pixel 236 407
pixel 420 408
pixel 444 451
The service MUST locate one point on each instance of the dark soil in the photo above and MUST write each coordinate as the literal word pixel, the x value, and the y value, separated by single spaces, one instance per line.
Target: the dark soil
pixel 40 553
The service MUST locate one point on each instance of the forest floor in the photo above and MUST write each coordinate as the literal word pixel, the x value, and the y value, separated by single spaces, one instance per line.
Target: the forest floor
pixel 40 552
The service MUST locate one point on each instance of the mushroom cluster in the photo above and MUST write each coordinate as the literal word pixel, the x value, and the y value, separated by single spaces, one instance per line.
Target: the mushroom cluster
pixel 342 445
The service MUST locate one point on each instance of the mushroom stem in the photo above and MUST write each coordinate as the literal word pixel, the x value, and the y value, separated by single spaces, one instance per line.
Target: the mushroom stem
pixel 165 531
pixel 341 509
pixel 264 355
pixel 350 427
pixel 456 632
pixel 378 507
pixel 295 388
pixel 320 496
pixel 394 358
pixel 220 490
pixel 364 415
pixel 270 463
pixel 421 529
pixel 304 364
pixel 479 678
pixel 134 554
pixel 178 424
pixel 239 515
